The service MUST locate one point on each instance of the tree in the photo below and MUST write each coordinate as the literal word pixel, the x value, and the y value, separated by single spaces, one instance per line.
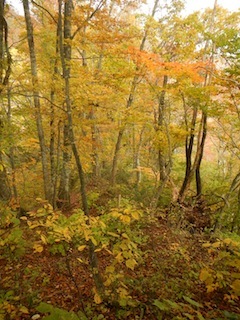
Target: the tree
pixel 129 102
pixel 194 168
pixel 66 55
pixel 36 100
pixel 5 71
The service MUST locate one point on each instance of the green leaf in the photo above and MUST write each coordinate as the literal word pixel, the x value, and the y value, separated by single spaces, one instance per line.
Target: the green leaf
pixel 189 316
pixel 56 313
pixel 81 315
pixel 173 305
pixel 192 302
pixel 231 316
pixel 200 317
pixel 161 305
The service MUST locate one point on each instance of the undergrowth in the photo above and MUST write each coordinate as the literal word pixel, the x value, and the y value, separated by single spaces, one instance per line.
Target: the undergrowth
pixel 150 270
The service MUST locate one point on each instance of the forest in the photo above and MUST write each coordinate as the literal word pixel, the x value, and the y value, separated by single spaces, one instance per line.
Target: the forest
pixel 119 161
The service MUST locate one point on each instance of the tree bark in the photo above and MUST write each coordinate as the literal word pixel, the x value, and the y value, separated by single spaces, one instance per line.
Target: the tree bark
pixel 5 58
pixel 189 143
pixel 11 150
pixel 136 155
pixel 66 66
pixel 36 100
pixel 54 145
pixel 163 167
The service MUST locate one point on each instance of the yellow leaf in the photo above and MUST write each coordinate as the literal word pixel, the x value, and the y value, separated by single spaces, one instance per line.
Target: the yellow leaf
pixel 97 298
pixel 204 275
pixel 43 238
pixel 39 200
pixel 127 211
pixel 115 214
pixel 119 257
pixel 103 225
pixel 66 234
pixel 236 287
pixel 94 241
pixel 86 234
pixel 110 269
pixel 216 244
pixel 125 219
pixel 113 234
pixel 123 292
pixel 37 248
pixel 81 248
pixel 23 310
pixel 227 241
pixel 135 215
pixel 206 245
pixel 107 282
pixel 211 288
pixel 130 263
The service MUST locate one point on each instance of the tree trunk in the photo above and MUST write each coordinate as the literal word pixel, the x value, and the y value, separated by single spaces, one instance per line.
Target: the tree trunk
pixel 136 155
pixel 66 66
pixel 36 100
pixel 95 143
pixel 11 150
pixel 201 151
pixel 65 54
pixel 162 162
pixel 194 169
pixel 54 145
pixel 161 116
pixel 189 143
pixel 5 59
pixel 203 128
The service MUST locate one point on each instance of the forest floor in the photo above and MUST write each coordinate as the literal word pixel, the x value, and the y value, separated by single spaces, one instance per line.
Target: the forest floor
pixel 165 284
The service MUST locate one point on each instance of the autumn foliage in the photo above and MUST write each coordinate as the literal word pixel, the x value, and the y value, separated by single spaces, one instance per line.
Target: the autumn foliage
pixel 119 161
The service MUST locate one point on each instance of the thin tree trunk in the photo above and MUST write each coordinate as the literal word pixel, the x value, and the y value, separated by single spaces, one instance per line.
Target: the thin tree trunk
pixel 194 169
pixel 5 59
pixel 95 142
pixel 136 155
pixel 201 151
pixel 92 115
pixel 65 54
pixel 54 150
pixel 66 65
pixel 36 100
pixel 208 80
pixel 11 151
pixel 161 116
pixel 189 143
pixel 162 163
